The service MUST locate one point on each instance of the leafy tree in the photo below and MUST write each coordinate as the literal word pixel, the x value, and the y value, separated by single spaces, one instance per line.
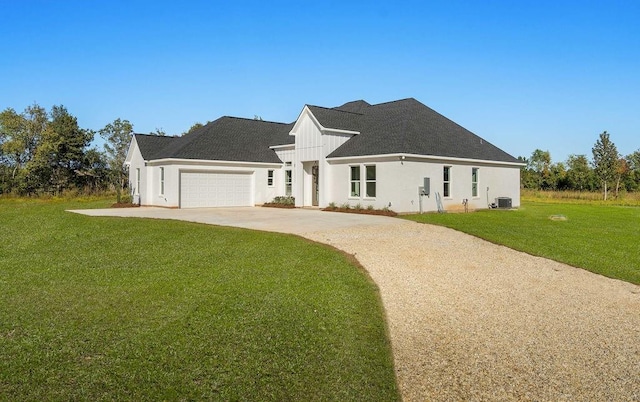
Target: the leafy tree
pixel 20 135
pixel 579 173
pixel 11 143
pixel 159 131
pixel 95 174
pixel 195 127
pixel 118 136
pixel 557 179
pixel 540 167
pixel 61 151
pixel 622 171
pixel 605 160
pixel 36 121
pixel 527 176
pixel 632 182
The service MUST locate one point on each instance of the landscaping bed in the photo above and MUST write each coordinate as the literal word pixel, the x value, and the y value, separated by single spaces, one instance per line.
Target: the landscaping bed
pixel 124 205
pixel 365 211
pixel 281 202
pixel 277 205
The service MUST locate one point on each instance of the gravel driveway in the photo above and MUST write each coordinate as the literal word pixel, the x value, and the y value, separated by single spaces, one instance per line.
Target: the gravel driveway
pixel 470 320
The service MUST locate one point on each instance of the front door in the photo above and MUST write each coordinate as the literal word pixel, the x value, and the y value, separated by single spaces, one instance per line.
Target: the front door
pixel 315 186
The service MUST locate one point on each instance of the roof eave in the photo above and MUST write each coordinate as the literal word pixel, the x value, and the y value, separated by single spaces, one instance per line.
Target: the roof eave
pixel 339 131
pixel 209 162
pixel 400 156
pixel 283 146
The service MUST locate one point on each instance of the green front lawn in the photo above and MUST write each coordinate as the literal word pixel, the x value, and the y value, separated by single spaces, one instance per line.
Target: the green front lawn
pixel 114 308
pixel 601 239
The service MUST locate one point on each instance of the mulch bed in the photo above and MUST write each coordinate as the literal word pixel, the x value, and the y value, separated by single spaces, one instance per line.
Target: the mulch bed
pixel 272 205
pixel 362 211
pixel 124 205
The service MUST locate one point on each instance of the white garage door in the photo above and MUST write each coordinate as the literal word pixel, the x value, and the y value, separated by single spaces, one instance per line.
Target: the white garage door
pixel 200 189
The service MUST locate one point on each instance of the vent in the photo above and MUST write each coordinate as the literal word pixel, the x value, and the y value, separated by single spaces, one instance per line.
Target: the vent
pixel 503 202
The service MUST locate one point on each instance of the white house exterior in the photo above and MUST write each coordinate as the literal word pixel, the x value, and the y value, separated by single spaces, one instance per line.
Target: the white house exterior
pixel 357 153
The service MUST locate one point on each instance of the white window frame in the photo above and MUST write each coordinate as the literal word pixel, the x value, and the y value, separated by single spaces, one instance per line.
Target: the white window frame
pixel 270 178
pixel 161 181
pixel 446 181
pixel 369 181
pixel 357 181
pixel 137 191
pixel 475 174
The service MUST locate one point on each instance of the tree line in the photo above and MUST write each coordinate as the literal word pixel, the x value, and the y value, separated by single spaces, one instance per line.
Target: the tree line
pixel 606 171
pixel 44 153
pixel 49 153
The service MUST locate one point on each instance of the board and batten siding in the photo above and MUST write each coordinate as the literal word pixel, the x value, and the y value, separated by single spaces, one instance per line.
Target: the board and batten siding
pixel 313 144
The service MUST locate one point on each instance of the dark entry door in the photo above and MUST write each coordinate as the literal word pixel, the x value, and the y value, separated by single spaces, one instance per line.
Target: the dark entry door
pixel 315 187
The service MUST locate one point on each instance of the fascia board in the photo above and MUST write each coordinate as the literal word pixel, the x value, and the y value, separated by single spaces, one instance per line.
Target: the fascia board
pixel 339 131
pixel 204 162
pixel 282 146
pixel 127 159
pixel 425 157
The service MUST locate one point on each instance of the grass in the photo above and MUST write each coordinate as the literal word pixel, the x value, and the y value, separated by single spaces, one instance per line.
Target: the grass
pixel 115 308
pixel 581 197
pixel 600 238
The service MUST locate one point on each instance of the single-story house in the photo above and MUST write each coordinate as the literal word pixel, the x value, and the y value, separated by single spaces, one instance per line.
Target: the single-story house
pixel 401 155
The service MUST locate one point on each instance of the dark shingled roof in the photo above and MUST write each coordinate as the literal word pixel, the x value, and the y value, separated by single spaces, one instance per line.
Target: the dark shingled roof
pixel 354 107
pixel 151 145
pixel 335 118
pixel 400 127
pixel 226 139
pixel 407 126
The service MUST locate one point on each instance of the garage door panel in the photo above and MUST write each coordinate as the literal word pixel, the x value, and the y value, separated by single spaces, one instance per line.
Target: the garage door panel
pixel 214 189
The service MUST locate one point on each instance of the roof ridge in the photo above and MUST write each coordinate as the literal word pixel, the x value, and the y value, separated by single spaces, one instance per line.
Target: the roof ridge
pixel 249 119
pixel 334 109
pixel 157 135
pixel 397 101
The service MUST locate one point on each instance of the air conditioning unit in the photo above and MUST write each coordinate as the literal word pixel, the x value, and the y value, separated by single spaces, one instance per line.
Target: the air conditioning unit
pixel 503 202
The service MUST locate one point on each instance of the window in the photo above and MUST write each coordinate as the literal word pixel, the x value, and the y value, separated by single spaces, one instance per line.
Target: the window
pixel 287 182
pixel 447 181
pixel 355 181
pixel 137 189
pixel 161 181
pixel 474 182
pixel 270 178
pixel 371 180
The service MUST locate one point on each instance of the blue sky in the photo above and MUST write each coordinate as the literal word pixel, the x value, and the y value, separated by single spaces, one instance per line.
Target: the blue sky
pixel 521 74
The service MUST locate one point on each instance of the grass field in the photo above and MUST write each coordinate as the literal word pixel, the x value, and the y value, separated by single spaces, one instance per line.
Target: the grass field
pixel 132 309
pixel 600 238
pixel 581 197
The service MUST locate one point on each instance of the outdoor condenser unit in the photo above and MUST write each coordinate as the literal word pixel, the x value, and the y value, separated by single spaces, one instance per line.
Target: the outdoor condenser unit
pixel 503 202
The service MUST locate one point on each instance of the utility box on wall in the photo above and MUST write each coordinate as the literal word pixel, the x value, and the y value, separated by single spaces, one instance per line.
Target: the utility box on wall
pixel 426 186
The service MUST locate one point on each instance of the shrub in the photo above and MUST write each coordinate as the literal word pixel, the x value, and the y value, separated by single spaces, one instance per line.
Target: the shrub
pixel 358 207
pixel 332 205
pixel 126 198
pixel 370 207
pixel 345 206
pixel 284 200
